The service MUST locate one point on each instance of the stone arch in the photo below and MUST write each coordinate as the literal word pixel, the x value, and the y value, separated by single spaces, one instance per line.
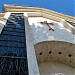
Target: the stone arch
pixel 56 51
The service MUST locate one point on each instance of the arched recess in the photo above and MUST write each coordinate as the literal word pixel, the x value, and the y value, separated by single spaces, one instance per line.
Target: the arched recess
pixel 55 57
pixel 56 51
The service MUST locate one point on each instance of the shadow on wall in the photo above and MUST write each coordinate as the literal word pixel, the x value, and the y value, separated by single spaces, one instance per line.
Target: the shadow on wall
pixel 42 33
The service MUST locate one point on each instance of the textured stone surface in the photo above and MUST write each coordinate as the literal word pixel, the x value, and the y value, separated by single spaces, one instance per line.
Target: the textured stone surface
pixel 41 31
pixel 53 68
pixel 43 11
pixel 53 46
pixel 32 61
pixel 56 51
pixel 53 49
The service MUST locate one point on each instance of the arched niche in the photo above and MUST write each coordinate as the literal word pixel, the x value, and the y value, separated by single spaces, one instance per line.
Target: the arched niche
pixel 55 57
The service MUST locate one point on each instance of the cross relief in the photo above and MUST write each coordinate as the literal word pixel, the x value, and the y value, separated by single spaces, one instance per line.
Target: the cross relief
pixel 48 24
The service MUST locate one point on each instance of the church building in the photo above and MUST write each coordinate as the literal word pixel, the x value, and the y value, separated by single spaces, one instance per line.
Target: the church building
pixel 36 41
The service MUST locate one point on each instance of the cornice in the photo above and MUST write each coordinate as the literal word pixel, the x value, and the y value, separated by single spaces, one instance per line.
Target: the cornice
pixel 43 11
pixel 2 14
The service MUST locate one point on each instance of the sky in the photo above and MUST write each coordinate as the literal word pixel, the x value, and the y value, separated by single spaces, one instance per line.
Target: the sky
pixel 62 6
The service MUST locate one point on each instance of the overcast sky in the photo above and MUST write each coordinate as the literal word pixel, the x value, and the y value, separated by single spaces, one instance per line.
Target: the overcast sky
pixel 63 6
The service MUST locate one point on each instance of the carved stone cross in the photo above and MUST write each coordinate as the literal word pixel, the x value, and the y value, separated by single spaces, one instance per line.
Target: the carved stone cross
pixel 48 24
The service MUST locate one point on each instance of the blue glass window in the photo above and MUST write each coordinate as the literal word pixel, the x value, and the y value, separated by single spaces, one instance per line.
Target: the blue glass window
pixel 13 54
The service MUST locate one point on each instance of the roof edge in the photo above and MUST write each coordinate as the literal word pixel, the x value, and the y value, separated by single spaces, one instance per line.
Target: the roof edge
pixel 38 9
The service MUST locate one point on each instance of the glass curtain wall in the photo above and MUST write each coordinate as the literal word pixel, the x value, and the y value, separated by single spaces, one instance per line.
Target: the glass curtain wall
pixel 13 56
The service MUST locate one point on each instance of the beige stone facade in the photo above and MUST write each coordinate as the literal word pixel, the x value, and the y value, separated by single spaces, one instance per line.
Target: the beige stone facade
pixel 48 52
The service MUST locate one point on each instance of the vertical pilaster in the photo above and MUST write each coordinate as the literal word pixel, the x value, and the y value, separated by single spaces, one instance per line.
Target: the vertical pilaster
pixel 32 61
pixel 2 23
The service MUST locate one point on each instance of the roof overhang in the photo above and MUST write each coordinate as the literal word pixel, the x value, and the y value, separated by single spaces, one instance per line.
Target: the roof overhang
pixel 42 12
